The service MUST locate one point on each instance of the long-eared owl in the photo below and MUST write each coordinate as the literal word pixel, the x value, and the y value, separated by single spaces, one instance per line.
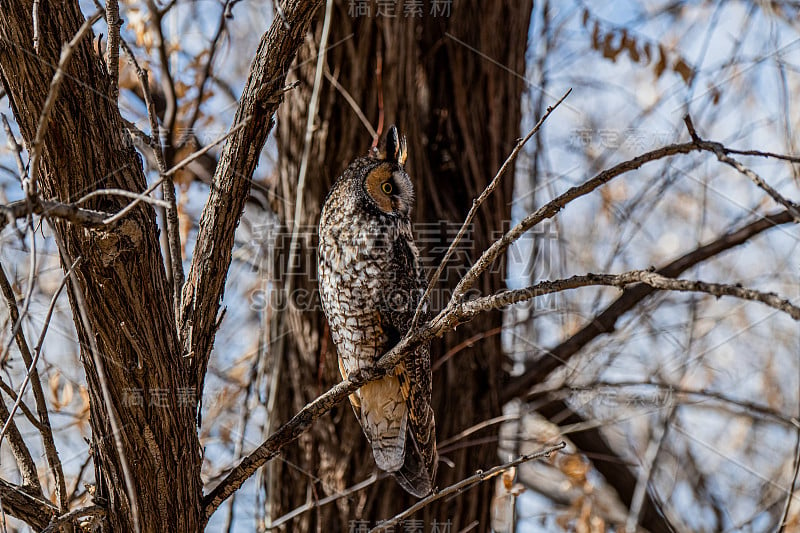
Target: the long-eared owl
pixel 370 283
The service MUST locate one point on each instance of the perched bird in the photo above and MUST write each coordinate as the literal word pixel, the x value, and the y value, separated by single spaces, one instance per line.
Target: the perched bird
pixel 370 283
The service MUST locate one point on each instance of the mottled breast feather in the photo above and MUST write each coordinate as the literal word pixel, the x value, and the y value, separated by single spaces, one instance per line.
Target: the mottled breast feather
pixel 370 284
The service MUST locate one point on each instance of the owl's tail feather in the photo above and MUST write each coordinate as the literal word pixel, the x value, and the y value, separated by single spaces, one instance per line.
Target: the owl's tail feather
pixel 418 472
pixel 383 416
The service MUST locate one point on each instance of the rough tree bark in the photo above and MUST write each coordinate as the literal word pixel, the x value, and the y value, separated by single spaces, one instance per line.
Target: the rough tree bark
pixel 461 114
pixel 121 276
pixel 121 301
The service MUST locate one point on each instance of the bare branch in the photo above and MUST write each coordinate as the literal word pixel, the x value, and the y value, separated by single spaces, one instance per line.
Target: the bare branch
pixel 324 501
pixel 22 454
pixel 36 34
pixel 504 298
pixel 93 510
pixel 127 194
pixel 45 429
pixel 16 149
pixel 31 509
pixel 113 22
pixel 467 483
pixel 212 52
pixel 648 466
pixel 605 322
pixel 231 184
pixel 300 195
pixel 478 202
pixel 550 210
pixel 22 407
pixel 143 197
pixel 353 104
pixel 167 81
pixel 448 320
pixel 173 248
pixel 760 153
pixel 199 153
pixel 722 154
pixel 69 212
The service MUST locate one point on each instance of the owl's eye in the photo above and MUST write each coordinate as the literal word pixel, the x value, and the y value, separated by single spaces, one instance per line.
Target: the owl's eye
pixel 386 187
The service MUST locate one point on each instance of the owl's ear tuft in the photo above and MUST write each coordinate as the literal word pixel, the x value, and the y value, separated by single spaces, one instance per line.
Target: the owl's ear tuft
pixel 396 150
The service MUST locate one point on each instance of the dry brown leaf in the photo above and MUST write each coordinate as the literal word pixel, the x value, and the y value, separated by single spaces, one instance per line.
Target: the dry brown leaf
pixel 138 23
pixel 661 66
pixel 508 478
pixel 685 71
pixel 62 393
pixel 575 468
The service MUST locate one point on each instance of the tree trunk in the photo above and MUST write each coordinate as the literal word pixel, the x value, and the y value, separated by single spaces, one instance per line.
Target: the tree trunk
pixel 121 277
pixel 461 114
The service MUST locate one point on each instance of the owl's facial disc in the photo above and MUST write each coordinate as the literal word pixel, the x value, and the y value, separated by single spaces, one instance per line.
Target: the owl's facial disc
pixel 390 189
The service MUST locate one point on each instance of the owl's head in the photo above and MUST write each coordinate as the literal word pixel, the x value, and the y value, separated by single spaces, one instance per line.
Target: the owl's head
pixel 385 182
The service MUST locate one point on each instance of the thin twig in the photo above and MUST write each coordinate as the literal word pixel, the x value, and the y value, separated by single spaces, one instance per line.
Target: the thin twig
pixel 191 157
pixel 379 83
pixel 15 147
pixel 466 483
pixel 36 33
pixel 143 197
pixel 22 407
pixel 17 334
pixel 164 154
pixel 760 153
pixel 212 52
pixel 22 456
pixel 47 436
pixel 722 154
pixel 467 343
pixel 483 424
pixel 20 450
pixel 167 81
pixel 309 134
pixel 139 197
pixel 552 208
pixel 324 501
pixel 353 104
pixel 476 205
pixel 73 494
pixel 52 96
pixel 173 253
pixel 787 505
pixel 647 468
pixel 44 427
